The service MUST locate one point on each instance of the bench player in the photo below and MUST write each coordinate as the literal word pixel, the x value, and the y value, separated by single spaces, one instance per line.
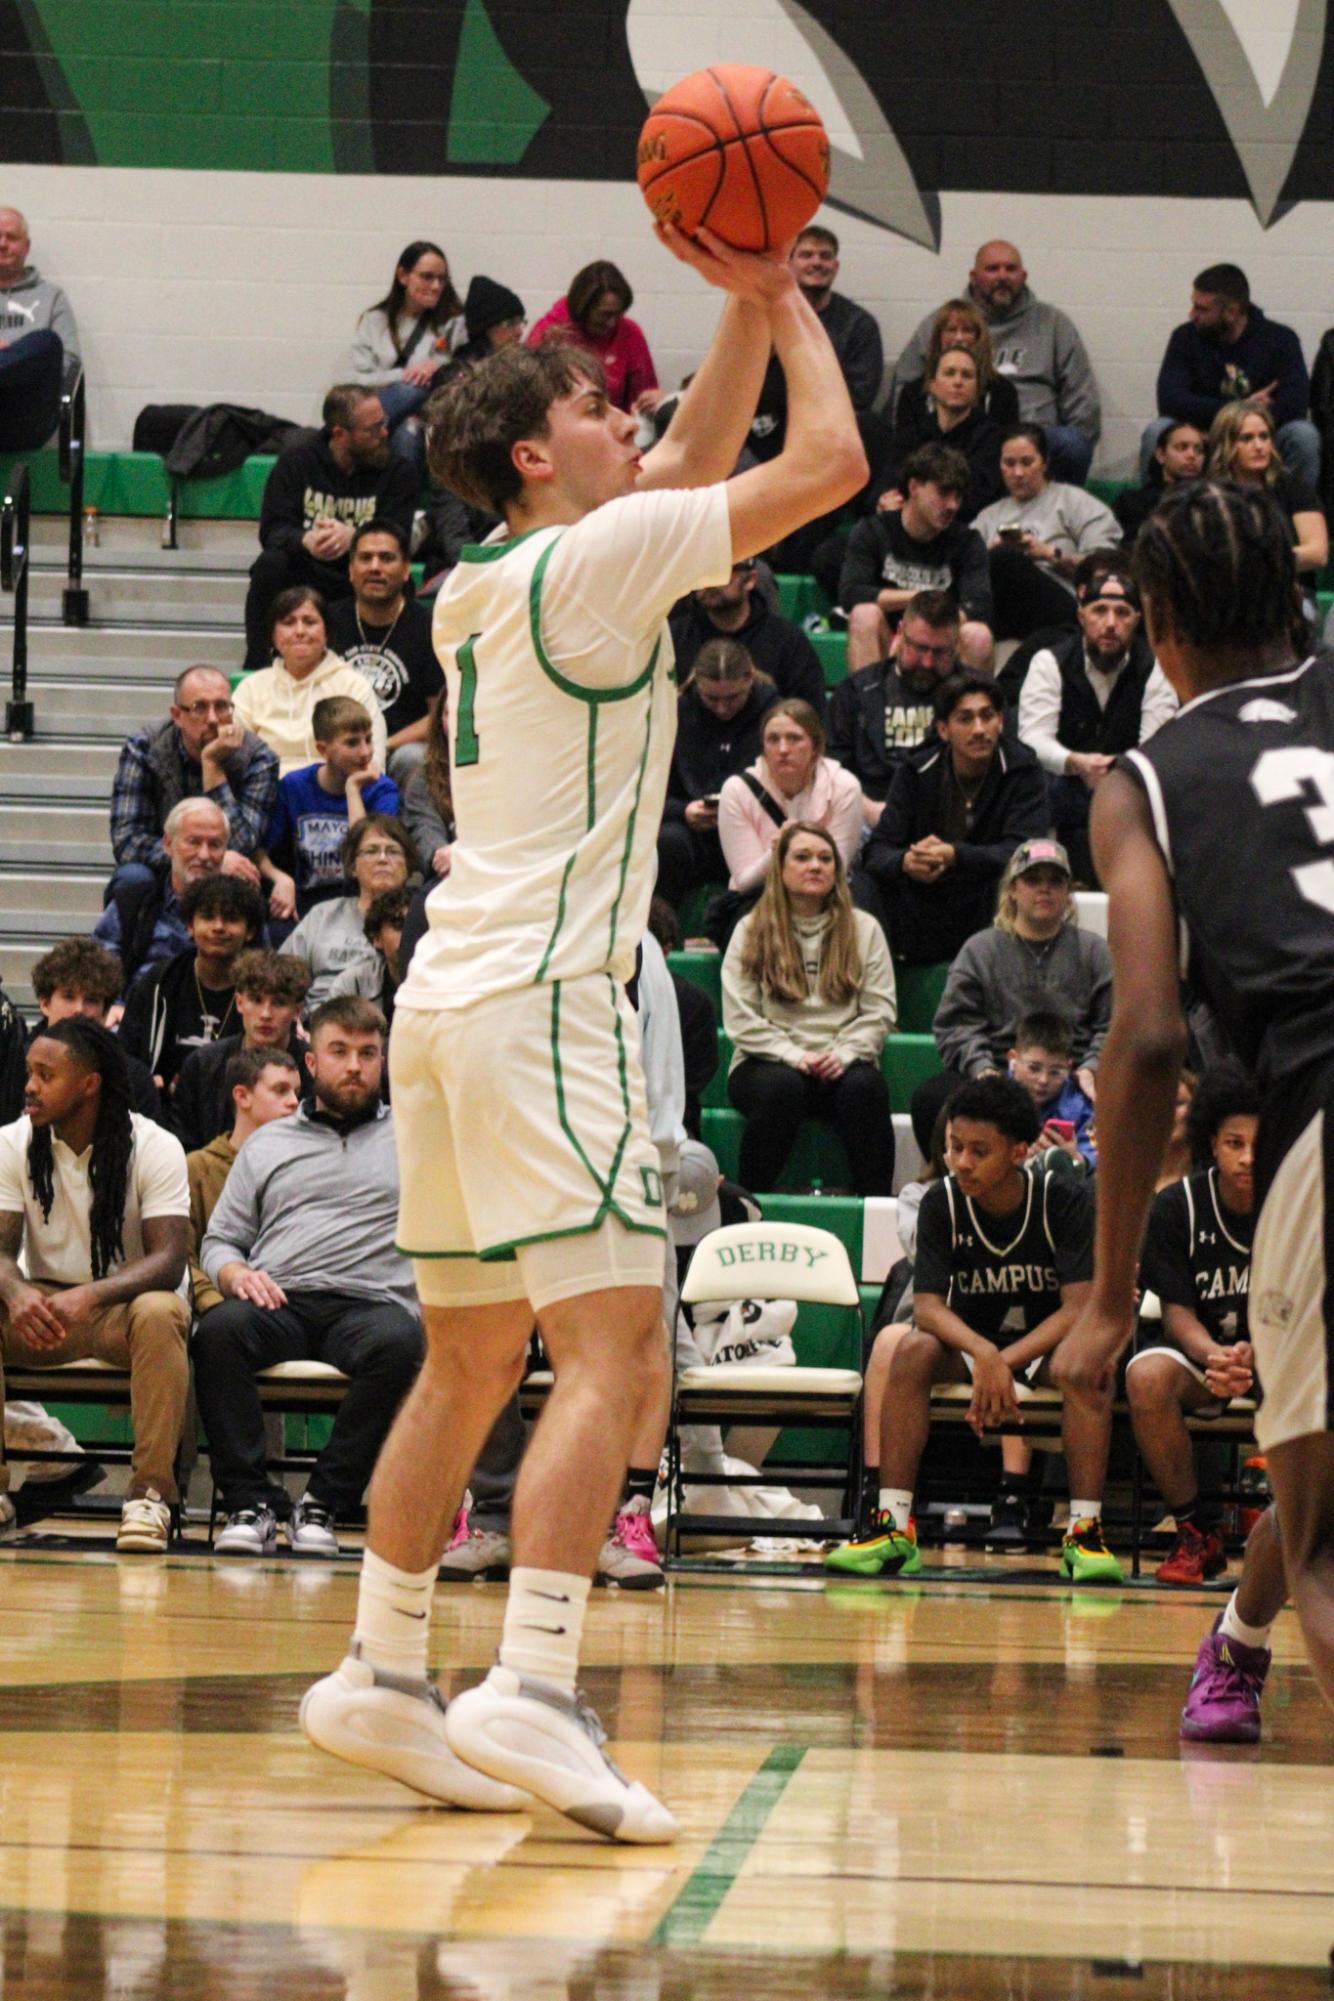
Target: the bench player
pixel 529 1180
pixel 1219 834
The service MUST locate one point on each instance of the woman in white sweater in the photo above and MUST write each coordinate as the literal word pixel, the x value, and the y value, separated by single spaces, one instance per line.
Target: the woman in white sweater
pixel 808 999
pixel 403 341
pixel 277 702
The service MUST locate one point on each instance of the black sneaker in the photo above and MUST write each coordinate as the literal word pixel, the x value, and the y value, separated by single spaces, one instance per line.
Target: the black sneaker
pixel 1007 1530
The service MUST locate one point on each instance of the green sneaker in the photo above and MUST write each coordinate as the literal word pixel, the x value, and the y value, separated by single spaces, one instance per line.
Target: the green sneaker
pixel 883 1551
pixel 1085 1556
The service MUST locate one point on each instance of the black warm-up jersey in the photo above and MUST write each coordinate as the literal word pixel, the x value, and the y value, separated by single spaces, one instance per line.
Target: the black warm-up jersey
pixel 1197 1254
pixel 1240 786
pixel 1005 1272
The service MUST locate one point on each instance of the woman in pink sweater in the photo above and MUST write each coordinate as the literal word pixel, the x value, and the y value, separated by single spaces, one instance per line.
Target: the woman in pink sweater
pixel 593 313
pixel 791 779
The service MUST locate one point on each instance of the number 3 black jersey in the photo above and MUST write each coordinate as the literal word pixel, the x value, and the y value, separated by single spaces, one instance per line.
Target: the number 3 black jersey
pixel 1240 786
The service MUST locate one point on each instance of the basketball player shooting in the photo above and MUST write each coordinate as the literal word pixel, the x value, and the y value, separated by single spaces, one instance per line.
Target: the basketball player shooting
pixel 529 1181
pixel 1224 822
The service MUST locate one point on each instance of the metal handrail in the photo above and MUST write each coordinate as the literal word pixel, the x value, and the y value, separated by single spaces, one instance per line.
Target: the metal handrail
pixel 72 444
pixel 15 542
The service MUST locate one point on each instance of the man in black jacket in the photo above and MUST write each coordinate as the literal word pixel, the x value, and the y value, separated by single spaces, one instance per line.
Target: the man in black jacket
pixel 190 999
pixel 882 712
pixel 736 610
pixel 719 719
pixel 956 812
pixel 324 485
pixel 921 546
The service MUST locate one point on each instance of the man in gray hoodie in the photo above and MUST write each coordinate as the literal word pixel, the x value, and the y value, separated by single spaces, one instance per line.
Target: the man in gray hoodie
pixel 39 342
pixel 1038 347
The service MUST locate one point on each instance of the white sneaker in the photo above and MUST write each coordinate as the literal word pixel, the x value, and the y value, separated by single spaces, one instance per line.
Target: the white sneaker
pixel 396 1726
pixel 145 1524
pixel 249 1532
pixel 629 1557
pixel 530 1733
pixel 310 1529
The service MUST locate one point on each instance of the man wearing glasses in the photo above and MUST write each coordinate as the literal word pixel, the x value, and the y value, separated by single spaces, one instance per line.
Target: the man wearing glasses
pixel 884 711
pixel 197 752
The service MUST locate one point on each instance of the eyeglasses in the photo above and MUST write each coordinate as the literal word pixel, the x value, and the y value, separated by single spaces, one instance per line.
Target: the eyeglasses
pixel 1051 1071
pixel 198 710
pixel 378 848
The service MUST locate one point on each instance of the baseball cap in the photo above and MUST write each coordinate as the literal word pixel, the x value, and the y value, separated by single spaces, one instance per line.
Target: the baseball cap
pixel 1038 854
pixel 1109 583
pixel 695 1209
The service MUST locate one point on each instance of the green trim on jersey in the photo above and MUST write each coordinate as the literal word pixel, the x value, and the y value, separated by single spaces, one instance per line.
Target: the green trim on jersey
pixel 491 552
pixel 499 1254
pixel 606 1188
pixel 634 816
pixel 553 673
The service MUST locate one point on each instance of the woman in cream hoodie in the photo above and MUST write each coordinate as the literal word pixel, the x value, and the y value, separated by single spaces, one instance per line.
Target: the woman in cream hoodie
pixel 277 702
pixel 808 999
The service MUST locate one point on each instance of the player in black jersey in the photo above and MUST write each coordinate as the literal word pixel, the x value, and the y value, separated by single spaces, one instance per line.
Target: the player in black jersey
pixel 1219 833
pixel 1002 1266
pixel 1197 1263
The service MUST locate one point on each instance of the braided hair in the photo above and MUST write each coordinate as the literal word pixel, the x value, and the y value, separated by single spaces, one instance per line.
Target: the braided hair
pixel 93 1048
pixel 1214 562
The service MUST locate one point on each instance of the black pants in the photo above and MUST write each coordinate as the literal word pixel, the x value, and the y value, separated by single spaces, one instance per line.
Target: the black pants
pixel 775 1098
pixel 375 1342
pixel 1025 596
pixel 687 858
pixel 31 372
pixel 496 1474
pixel 275 570
pixel 1070 803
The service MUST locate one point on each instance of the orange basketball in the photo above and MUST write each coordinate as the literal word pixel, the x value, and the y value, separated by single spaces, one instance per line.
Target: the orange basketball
pixel 737 149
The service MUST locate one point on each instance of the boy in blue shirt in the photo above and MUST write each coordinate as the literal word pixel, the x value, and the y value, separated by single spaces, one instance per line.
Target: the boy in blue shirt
pixel 1042 1060
pixel 316 805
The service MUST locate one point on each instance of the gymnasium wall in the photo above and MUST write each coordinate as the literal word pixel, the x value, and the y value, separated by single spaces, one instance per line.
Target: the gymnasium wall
pixel 222 185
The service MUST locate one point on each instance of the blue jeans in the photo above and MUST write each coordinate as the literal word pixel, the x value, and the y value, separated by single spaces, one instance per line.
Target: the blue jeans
pixel 1298 447
pixel 1070 453
pixel 129 872
pixel 400 400
pixel 31 371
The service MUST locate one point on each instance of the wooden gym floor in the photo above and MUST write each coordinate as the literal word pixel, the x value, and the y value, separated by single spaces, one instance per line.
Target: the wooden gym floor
pixel 956 1789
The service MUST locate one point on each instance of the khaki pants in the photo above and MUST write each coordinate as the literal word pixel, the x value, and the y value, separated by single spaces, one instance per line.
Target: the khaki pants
pixel 146 1336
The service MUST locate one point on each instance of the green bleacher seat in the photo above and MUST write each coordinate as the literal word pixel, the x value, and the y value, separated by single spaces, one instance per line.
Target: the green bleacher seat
pixel 818 1154
pixel 919 989
pixel 696 907
pixel 705 968
pixel 832 650
pixel 137 483
pixel 841 1214
pixel 799 595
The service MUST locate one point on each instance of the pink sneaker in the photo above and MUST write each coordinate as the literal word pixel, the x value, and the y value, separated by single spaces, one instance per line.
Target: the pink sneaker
pixel 629 1557
pixel 1223 1706
pixel 472 1553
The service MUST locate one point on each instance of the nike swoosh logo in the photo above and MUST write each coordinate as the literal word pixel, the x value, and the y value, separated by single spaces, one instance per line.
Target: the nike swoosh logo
pixel 553 1597
pixel 408 1615
pixel 555 1630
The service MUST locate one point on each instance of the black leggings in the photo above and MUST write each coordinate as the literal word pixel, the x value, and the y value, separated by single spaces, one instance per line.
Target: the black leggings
pixel 1025 596
pixel 776 1097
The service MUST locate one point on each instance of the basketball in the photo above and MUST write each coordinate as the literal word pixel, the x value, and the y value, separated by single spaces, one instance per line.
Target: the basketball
pixel 738 150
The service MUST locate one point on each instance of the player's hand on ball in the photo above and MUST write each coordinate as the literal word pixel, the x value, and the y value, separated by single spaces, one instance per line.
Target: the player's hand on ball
pixel 761 278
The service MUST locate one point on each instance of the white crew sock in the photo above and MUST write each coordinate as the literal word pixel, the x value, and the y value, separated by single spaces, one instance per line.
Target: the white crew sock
pixel 1235 1627
pixel 896 1502
pixel 394 1616
pixel 544 1622
pixel 1085 1511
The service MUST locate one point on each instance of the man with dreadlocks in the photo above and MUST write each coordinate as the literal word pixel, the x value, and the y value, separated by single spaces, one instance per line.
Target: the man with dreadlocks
pixel 96 1199
pixel 1223 825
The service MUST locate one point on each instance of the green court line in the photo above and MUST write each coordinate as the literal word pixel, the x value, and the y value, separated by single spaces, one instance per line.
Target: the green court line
pixel 690 1915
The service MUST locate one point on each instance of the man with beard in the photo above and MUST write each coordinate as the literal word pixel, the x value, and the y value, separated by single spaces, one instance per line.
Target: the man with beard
pixel 324 485
pixel 736 610
pixel 1090 695
pixel 386 635
pixel 920 546
pixel 882 712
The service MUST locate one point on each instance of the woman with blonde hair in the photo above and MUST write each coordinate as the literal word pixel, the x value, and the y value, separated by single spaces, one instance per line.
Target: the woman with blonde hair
pixel 959 324
pixel 951 410
pixel 1242 447
pixel 278 702
pixel 808 999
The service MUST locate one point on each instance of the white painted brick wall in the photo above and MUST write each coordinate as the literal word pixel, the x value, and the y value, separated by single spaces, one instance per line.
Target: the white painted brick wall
pixel 212 287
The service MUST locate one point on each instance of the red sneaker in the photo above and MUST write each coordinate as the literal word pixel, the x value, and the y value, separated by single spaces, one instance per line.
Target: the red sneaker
pixel 1195 1556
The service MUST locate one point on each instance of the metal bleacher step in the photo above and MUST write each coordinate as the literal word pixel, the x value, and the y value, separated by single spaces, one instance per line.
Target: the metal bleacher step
pixel 180 595
pixel 103 709
pixel 138 539
pixel 60 836
pixel 154 652
pixel 63 901
pixel 57 768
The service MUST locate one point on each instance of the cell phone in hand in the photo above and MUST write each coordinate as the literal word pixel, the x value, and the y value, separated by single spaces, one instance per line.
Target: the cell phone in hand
pixel 1012 532
pixel 712 798
pixel 1063 1128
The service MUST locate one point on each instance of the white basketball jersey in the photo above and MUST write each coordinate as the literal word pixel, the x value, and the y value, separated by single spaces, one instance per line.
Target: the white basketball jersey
pixel 562 710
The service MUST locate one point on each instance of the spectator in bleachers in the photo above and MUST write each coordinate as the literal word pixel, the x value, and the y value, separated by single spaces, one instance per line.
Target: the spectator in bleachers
pixel 1042 1060
pixel 93 1198
pixel 595 314
pixel 882 712
pixel 493 317
pixel 142 922
pixel 1033 958
pixel 1037 348
pixel 956 811
pixel 1242 446
pixel 791 779
pixel 1228 351
pixel 950 410
pixel 377 855
pixel 808 999
pixel 920 546
pixel 428 810
pixel 278 702
pixel 199 751
pixel 957 323
pixel 39 343
pixel 379 979
pixel 77 977
pixel 188 1001
pixel 738 610
pixel 261 1084
pixel 404 340
pixel 385 635
pixel 696 1014
pixel 1091 694
pixel 720 715
pixel 1003 1265
pixel 270 988
pixel 1177 456
pixel 1037 536
pixel 325 484
pixel 1197 1259
pixel 301 1247
pixel 303 850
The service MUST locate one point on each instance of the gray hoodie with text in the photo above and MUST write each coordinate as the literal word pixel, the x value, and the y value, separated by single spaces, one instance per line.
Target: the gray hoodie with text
pixel 1038 347
pixel 32 304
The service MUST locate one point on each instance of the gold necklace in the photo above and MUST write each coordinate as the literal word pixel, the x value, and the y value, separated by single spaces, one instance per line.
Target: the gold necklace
pixel 204 1016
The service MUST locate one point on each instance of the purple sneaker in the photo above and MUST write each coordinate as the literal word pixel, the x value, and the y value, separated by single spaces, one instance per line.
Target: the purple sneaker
pixel 1223 1706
